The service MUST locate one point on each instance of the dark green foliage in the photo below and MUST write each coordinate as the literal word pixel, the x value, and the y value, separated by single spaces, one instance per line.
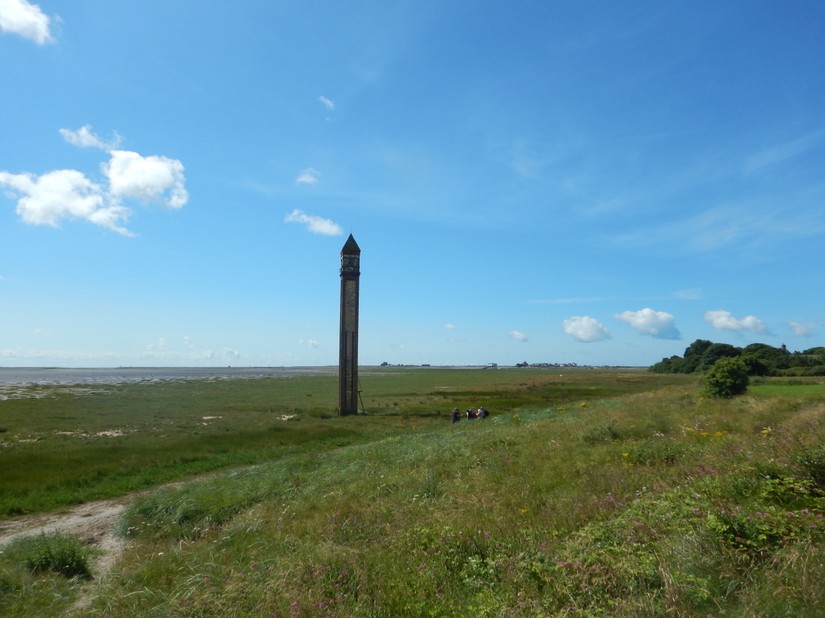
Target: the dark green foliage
pixel 727 377
pixel 674 364
pixel 760 359
pixel 716 352
pixel 694 353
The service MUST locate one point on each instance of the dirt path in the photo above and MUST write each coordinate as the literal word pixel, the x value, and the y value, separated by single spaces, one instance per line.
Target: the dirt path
pixel 93 523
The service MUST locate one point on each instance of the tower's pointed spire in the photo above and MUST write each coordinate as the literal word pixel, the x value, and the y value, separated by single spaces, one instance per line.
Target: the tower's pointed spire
pixel 351 247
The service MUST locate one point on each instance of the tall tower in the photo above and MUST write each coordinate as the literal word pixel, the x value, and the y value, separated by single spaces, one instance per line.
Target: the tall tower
pixel 348 345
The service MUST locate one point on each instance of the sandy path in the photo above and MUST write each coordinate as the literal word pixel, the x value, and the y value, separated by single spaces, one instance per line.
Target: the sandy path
pixel 93 523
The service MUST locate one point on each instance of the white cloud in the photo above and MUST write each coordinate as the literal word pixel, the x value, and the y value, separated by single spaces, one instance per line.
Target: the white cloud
pixel 449 326
pixel 69 194
pixel 517 335
pixel 658 324
pixel 309 343
pixel 801 330
pixel 723 320
pixel 316 225
pixel 150 179
pixel 585 329
pixel 25 19
pixel 64 194
pixel 85 138
pixel 308 177
pixel 328 103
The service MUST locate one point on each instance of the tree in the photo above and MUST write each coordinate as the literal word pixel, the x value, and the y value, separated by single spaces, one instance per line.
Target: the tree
pixel 763 359
pixel 715 352
pixel 674 364
pixel 727 377
pixel 693 355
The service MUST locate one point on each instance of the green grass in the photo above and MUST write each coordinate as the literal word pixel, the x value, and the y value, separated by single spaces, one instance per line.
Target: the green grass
pixel 644 499
pixel 797 388
pixel 58 450
pixel 41 575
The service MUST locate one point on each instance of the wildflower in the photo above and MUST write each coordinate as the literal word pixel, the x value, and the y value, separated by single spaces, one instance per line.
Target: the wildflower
pixel 625 454
pixel 766 431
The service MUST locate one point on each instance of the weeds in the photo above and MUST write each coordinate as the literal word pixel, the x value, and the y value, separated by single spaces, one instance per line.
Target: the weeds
pixel 56 553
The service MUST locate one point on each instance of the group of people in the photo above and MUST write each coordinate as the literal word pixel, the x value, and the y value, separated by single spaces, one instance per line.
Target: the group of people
pixel 472 413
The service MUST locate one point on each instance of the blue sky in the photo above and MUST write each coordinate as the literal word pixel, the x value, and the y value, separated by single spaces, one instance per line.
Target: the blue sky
pixel 589 182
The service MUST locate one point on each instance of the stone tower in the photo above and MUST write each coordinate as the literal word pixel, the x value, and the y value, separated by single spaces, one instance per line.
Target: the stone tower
pixel 348 345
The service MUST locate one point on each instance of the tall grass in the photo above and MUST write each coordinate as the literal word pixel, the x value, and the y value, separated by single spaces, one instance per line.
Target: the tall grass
pixel 681 506
pixel 647 503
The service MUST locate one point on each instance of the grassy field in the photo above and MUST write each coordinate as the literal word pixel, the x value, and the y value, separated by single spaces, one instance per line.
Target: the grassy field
pixel 71 445
pixel 610 492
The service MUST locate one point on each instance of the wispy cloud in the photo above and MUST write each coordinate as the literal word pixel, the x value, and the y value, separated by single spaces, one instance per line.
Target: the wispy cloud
pixel 449 326
pixel 748 222
pixel 658 324
pixel 328 103
pixel 315 224
pixel 800 329
pixel 577 300
pixel 84 137
pixel 690 294
pixel 585 329
pixel 309 343
pixel 724 320
pixel 309 176
pixel 517 335
pixel 779 153
pixel 27 20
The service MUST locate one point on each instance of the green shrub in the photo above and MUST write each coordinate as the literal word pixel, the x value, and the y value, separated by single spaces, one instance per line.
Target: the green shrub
pixel 602 432
pixel 58 553
pixel 812 461
pixel 727 377
pixel 655 452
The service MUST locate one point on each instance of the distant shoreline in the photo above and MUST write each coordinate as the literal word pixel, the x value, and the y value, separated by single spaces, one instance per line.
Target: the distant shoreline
pixel 119 375
pixel 11 376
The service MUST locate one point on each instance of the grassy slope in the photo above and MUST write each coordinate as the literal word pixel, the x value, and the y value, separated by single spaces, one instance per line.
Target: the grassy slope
pixel 643 503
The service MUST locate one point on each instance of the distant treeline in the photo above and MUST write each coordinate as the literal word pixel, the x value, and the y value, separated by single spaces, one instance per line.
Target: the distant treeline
pixel 761 359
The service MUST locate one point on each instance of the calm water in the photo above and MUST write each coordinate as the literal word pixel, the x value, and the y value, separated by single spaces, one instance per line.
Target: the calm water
pixel 33 375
